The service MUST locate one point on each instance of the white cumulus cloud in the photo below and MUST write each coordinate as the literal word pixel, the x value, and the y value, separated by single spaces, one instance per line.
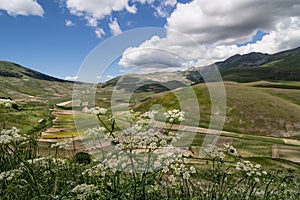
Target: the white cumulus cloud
pixel 99 32
pixel 22 7
pixel 205 31
pixel 170 2
pixel 69 22
pixel 91 21
pixel 97 9
pixel 228 22
pixel 71 78
pixel 114 27
pixel 164 8
pixel 110 76
pixel 93 11
pixel 152 56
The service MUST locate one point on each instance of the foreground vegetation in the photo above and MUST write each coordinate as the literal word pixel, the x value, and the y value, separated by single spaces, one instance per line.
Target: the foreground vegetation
pixel 139 162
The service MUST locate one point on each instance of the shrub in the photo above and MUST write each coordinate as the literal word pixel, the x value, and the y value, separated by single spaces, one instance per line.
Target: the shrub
pixel 83 158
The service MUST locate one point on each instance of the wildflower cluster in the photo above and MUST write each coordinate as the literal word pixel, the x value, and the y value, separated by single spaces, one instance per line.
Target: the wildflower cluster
pixel 6 102
pixel 167 156
pixel 10 175
pixel 85 191
pixel 250 169
pixel 97 131
pixel 214 152
pixel 174 115
pixel 133 138
pixel 98 170
pixel 61 145
pixel 138 148
pixel 95 110
pixel 150 115
pixel 8 136
pixel 45 162
pixel 180 168
pixel 119 162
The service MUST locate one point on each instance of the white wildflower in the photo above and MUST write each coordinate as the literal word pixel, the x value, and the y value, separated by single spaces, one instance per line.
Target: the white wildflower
pixel 192 170
pixel 186 175
pixel 250 169
pixel 85 191
pixel 150 114
pixel 94 131
pixel 258 173
pixel 6 102
pixel 157 164
pixel 11 135
pixel 264 172
pixel 165 169
pixel 173 115
pixel 172 179
pixel 214 152
pixel 257 166
pixel 9 175
pixel 96 110
pixel 177 170
pixel 61 145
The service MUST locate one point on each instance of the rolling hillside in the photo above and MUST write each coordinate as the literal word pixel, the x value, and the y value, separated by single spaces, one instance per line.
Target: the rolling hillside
pixel 20 83
pixel 34 93
pixel 250 110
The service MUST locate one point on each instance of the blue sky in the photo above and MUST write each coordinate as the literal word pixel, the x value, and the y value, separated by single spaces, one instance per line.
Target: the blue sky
pixel 55 37
pixel 45 43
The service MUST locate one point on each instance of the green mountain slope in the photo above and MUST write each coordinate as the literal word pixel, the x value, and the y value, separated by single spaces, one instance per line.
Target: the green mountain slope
pixel 34 93
pixel 288 58
pixel 250 110
pixel 20 83
pixel 282 66
pixel 252 74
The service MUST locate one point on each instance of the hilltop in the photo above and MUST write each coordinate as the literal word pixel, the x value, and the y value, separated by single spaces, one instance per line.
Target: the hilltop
pixel 23 84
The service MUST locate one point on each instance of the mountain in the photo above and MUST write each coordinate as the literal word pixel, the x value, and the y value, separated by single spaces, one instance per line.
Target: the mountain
pixel 9 69
pixel 155 82
pixel 21 83
pixel 282 66
pixel 289 58
pixel 255 66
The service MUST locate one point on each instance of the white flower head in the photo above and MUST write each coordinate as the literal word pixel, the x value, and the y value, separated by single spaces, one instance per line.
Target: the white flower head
pixel 61 145
pixel 96 110
pixel 6 102
pixel 174 115
pixel 8 136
